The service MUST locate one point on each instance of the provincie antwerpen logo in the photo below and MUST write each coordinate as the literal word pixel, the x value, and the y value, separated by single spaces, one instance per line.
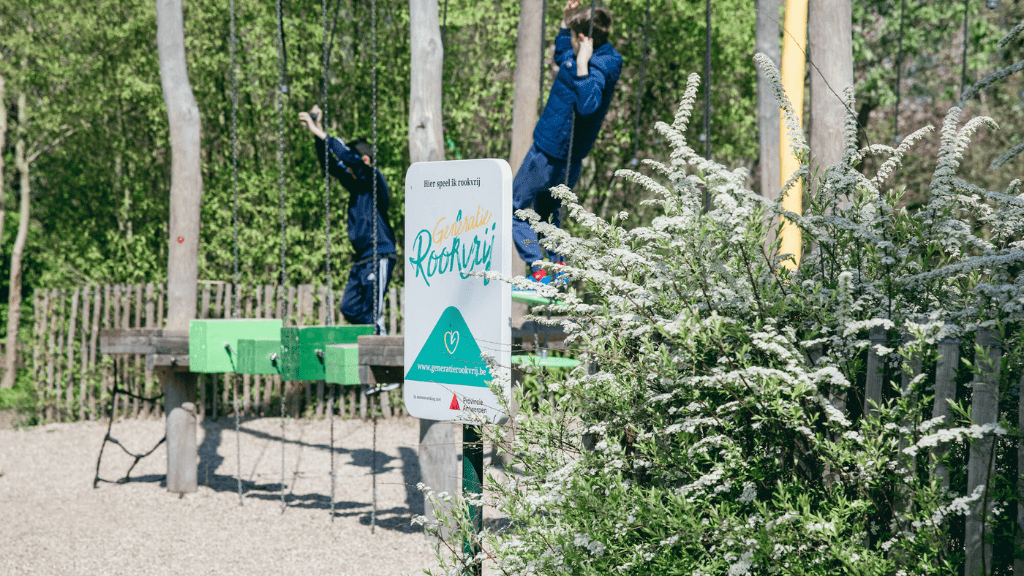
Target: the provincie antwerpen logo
pixel 447 246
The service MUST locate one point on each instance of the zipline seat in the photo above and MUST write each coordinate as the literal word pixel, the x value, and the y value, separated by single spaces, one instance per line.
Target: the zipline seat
pixel 303 348
pixel 213 344
pixel 257 355
pixel 341 364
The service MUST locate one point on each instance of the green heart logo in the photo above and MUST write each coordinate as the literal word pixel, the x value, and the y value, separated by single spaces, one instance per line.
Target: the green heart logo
pixel 451 341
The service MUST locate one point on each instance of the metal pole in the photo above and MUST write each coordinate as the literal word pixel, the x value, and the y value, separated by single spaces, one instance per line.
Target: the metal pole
pixel 472 485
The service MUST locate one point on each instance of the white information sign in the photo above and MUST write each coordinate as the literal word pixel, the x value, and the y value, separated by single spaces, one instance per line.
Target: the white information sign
pixel 458 220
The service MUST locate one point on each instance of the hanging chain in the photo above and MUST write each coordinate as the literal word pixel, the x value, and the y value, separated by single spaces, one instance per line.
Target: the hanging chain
pixel 640 89
pixel 327 180
pixel 373 175
pixel 234 151
pixel 376 273
pixel 899 71
pixel 283 88
pixel 234 187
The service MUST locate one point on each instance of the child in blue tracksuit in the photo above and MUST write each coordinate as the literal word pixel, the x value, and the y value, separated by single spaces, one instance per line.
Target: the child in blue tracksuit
pixel 588 69
pixel 352 165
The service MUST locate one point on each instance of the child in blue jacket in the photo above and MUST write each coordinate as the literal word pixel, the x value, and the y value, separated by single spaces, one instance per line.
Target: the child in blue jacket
pixel 352 165
pixel 588 69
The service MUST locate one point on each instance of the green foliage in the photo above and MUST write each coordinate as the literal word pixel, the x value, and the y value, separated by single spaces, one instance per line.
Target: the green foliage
pixel 725 428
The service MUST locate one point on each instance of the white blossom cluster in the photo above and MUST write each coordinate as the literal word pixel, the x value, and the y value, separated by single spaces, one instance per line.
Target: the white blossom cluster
pixel 718 423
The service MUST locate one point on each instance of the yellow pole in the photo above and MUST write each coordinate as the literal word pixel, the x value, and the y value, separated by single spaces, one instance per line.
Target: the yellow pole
pixel 794 44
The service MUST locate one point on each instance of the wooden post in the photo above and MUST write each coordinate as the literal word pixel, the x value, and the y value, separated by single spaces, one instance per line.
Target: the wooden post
pixel 150 323
pixel 58 379
pixel 72 327
pixel 945 390
pixel 766 41
pixel 108 382
pixel 393 311
pixel 93 336
pixel 83 354
pixel 426 134
pixel 438 465
pixel 270 382
pixel 183 241
pixel 793 60
pixel 982 458
pixel 875 375
pixel 246 378
pixel 526 93
pixel 830 44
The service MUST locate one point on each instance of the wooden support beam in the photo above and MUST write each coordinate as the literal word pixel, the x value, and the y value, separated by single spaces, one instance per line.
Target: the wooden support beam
pixel 143 341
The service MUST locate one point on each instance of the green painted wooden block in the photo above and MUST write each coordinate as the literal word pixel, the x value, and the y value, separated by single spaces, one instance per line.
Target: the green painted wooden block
pixel 341 363
pixel 255 355
pixel 207 352
pixel 299 345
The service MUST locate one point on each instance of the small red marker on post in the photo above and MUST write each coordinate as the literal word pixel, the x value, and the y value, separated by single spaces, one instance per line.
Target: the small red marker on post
pixel 181 239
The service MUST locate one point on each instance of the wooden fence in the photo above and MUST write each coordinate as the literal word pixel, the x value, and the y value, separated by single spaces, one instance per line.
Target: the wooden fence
pixel 74 381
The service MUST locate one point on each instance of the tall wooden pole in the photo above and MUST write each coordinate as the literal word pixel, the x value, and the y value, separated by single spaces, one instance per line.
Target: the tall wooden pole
pixel 438 460
pixel 526 94
pixel 830 44
pixel 793 58
pixel 766 41
pixel 182 261
pixel 529 41
pixel 426 133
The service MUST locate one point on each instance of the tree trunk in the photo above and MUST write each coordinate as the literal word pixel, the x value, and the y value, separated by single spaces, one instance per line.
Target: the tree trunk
pixel 830 45
pixel 182 261
pixel 426 134
pixel 17 252
pixel 438 463
pixel 3 146
pixel 767 42
pixel 529 45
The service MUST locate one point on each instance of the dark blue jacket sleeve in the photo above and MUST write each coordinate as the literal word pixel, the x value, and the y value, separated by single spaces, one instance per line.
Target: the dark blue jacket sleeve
pixel 563 47
pixel 589 89
pixel 341 158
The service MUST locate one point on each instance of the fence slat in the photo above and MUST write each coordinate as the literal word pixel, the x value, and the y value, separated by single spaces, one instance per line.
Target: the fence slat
pixel 37 334
pixel 875 376
pixel 981 461
pixel 136 290
pixel 58 380
pixel 945 391
pixel 94 333
pixel 83 354
pixel 392 310
pixel 246 378
pixel 108 381
pixel 150 323
pixel 229 391
pixel 257 380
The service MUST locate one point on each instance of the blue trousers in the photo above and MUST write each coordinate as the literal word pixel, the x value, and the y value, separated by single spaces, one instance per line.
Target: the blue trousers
pixel 357 303
pixel 532 189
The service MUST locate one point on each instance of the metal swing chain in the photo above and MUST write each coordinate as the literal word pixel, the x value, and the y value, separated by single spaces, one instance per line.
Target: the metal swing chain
pixel 327 228
pixel 283 88
pixel 899 71
pixel 640 90
pixel 234 187
pixel 572 122
pixel 376 273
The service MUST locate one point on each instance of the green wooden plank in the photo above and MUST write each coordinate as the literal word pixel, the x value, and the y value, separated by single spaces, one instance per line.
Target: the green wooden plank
pixel 213 344
pixel 299 345
pixel 548 362
pixel 531 297
pixel 255 355
pixel 341 363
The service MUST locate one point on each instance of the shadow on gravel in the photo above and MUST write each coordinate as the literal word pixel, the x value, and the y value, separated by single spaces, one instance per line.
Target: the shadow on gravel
pixel 399 518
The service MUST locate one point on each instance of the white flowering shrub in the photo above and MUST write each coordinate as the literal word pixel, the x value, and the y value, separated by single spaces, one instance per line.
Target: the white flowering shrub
pixel 716 425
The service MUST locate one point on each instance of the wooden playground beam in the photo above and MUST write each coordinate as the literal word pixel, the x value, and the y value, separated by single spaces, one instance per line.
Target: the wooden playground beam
pixel 183 241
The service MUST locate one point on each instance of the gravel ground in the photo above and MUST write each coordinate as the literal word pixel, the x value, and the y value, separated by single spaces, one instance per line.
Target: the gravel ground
pixel 52 521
